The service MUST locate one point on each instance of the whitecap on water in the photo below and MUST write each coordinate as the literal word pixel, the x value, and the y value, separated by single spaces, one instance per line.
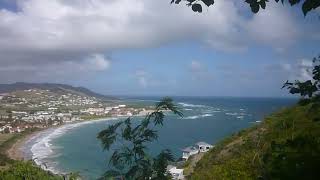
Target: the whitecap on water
pixel 43 150
pixel 198 116
pixel 232 114
pixel 191 105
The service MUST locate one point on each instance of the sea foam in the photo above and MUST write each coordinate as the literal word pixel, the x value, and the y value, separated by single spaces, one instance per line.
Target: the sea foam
pixel 43 150
pixel 198 116
pixel 191 105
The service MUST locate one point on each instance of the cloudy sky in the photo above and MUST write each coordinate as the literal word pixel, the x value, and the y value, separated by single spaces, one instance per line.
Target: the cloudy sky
pixel 149 47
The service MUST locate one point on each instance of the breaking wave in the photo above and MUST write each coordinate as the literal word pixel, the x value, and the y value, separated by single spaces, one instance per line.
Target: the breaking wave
pixel 232 114
pixel 42 150
pixel 198 116
pixel 191 105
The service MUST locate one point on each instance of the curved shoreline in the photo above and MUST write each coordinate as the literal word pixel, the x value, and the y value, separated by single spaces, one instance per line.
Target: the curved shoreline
pixel 21 150
pixel 15 152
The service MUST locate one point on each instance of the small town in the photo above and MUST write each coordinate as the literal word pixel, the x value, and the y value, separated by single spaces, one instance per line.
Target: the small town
pixel 37 108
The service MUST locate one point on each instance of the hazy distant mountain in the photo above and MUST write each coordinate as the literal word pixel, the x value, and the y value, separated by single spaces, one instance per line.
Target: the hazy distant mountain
pixel 6 88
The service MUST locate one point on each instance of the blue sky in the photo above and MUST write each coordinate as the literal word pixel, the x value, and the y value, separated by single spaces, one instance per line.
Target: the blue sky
pixel 141 48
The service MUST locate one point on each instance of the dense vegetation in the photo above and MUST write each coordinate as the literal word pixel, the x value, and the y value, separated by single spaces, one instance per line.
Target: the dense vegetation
pixel 28 171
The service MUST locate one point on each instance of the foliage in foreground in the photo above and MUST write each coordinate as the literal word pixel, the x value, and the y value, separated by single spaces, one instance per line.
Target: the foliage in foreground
pixel 131 160
pixel 309 90
pixel 255 5
pixel 27 171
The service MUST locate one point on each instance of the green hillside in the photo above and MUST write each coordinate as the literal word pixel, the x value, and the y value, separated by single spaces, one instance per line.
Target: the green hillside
pixel 57 88
pixel 286 145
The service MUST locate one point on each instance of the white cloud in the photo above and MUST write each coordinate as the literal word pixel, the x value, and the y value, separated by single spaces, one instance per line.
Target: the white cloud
pixel 305 67
pixel 102 25
pixel 286 66
pixel 199 72
pixel 306 63
pixel 72 32
pixel 53 71
pixel 196 66
pixel 142 77
pixel 96 62
pixel 275 26
pixel 300 69
pixel 99 25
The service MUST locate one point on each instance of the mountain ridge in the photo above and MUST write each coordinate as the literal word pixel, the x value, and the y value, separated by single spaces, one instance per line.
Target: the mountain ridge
pixel 19 86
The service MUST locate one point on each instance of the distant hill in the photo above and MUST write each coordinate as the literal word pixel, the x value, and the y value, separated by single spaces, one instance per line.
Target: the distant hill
pixel 7 88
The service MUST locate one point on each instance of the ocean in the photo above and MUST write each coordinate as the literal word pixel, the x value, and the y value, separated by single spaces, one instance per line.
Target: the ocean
pixel 75 148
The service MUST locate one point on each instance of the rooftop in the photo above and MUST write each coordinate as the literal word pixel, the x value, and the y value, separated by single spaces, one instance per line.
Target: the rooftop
pixel 203 144
pixel 189 149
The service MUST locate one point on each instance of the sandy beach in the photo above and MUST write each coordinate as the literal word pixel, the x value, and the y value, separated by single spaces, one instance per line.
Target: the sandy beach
pixel 15 151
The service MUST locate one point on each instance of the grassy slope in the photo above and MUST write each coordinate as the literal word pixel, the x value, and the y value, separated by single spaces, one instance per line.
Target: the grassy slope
pixel 285 145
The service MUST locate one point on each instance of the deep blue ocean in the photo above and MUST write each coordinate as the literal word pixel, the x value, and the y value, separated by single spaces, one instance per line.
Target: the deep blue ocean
pixel 75 148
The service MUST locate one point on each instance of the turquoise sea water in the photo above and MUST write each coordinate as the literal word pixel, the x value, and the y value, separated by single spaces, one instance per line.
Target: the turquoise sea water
pixel 74 147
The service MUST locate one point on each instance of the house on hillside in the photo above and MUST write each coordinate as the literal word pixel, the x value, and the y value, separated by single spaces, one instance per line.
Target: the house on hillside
pixel 174 172
pixel 200 147
pixel 6 129
pixel 203 146
pixel 189 151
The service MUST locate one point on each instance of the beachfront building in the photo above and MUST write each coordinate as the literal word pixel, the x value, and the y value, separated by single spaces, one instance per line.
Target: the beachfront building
pixel 176 173
pixel 6 129
pixel 200 147
pixel 203 146
pixel 189 151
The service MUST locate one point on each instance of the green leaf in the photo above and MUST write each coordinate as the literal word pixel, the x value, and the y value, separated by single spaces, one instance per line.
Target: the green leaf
pixel 131 160
pixel 308 5
pixel 254 7
pixel 263 4
pixel 208 2
pixel 197 8
pixel 293 2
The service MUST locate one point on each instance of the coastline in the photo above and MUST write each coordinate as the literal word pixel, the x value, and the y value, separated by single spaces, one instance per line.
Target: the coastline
pixel 20 148
pixel 17 151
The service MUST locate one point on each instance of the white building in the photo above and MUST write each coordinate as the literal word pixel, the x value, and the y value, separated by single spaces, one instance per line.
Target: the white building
pixel 203 146
pixel 189 151
pixel 175 173
pixel 9 127
pixel 95 111
pixel 19 113
pixel 200 147
pixel 108 108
